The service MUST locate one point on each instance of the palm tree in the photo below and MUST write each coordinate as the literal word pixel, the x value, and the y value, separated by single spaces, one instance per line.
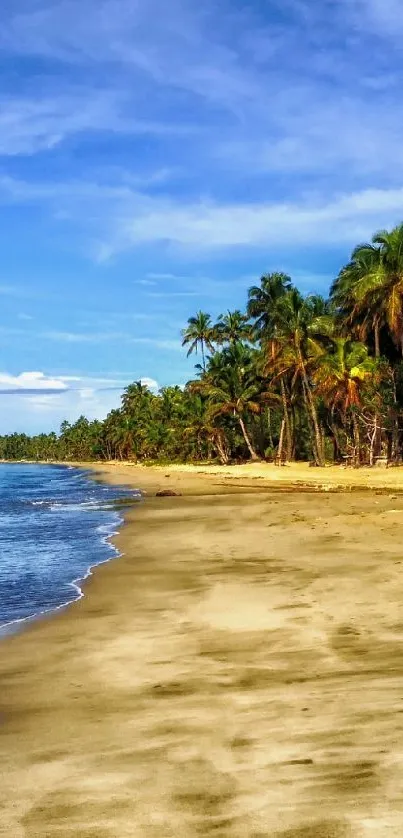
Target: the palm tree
pixel 369 289
pixel 297 324
pixel 201 430
pixel 359 312
pixel 340 376
pixel 199 333
pixel 232 327
pixel 263 300
pixel 231 385
pixel 369 294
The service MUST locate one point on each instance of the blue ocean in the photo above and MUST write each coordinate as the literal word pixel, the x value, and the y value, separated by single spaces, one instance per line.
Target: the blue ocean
pixel 55 524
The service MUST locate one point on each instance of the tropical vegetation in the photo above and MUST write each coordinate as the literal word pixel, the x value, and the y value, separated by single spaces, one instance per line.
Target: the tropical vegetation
pixel 292 376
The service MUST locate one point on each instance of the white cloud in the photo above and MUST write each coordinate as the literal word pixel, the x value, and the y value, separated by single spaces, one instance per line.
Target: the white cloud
pixel 151 383
pixel 133 219
pixel 208 226
pixel 30 381
pixel 46 412
pixel 48 400
pixel 86 393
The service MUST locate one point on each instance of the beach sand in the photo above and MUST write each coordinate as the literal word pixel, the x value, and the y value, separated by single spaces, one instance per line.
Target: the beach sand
pixel 238 673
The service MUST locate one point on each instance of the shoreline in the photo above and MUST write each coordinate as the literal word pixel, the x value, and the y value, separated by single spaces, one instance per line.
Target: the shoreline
pixel 15 626
pixel 6 629
pixel 240 662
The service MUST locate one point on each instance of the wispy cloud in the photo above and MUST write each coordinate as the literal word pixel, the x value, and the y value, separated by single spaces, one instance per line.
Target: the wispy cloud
pixel 269 100
pixel 84 337
pixel 382 17
pixel 315 220
pixel 149 39
pixel 207 225
pixel 31 125
pixel 109 337
pixel 166 276
pixel 158 343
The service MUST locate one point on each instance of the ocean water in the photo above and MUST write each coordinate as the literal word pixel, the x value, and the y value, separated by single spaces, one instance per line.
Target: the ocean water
pixel 55 524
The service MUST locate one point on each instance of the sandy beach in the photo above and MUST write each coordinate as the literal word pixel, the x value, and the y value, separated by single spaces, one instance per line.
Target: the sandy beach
pixel 237 673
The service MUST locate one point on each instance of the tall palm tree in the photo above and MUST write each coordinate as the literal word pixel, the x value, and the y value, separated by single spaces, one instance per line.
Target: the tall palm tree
pixel 263 300
pixel 369 293
pixel 359 312
pixel 232 327
pixel 341 375
pixel 231 385
pixel 297 324
pixel 199 334
pixel 369 289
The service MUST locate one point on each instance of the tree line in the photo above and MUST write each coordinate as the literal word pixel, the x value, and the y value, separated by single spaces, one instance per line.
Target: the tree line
pixel 292 376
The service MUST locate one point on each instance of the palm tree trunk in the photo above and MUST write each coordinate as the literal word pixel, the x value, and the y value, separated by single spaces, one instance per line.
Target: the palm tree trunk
pixel 376 443
pixel 203 356
pixel 280 443
pixel 372 442
pixel 269 428
pixel 394 444
pixel 292 431
pixel 356 432
pixel 221 450
pixel 311 426
pixel 336 443
pixel 376 339
pixel 317 437
pixel 286 420
pixel 251 450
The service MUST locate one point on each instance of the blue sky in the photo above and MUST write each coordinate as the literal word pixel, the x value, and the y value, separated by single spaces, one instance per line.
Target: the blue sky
pixel 156 157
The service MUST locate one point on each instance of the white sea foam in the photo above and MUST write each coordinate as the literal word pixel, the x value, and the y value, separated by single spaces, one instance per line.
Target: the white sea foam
pixel 6 628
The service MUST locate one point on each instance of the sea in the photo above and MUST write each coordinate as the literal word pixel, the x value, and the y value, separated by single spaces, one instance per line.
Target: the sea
pixel 56 523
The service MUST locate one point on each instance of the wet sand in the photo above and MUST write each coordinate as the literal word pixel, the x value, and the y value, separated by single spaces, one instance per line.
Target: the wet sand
pixel 238 673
